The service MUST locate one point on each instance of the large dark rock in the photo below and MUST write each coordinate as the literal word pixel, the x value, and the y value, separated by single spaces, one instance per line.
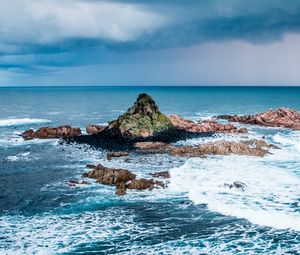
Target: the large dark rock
pixel 143 119
pixel 52 132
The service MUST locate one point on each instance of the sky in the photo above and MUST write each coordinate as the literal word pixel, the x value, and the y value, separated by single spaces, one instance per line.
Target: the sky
pixel 154 42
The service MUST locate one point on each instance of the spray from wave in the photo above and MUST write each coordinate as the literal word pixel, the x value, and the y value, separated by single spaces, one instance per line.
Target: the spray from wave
pixel 21 121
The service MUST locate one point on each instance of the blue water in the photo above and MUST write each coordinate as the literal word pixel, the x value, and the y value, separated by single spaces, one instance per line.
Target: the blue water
pixel 41 214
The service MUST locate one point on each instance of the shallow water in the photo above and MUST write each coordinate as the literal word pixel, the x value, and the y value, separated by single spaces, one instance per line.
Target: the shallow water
pixel 196 214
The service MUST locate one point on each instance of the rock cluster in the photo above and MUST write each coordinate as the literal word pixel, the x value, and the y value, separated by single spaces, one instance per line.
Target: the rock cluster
pixel 204 126
pixel 121 178
pixel 250 148
pixel 282 117
pixel 51 132
pixel 143 119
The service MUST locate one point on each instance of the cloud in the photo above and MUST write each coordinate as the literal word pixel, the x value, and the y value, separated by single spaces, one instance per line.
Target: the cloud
pixel 52 21
pixel 126 39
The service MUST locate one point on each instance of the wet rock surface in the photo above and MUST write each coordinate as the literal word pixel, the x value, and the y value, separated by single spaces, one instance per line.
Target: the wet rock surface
pixel 249 147
pixel 121 178
pixel 164 174
pixel 51 132
pixel 282 117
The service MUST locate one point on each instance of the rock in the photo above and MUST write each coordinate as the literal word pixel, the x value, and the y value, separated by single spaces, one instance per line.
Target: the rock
pixel 282 117
pixel 94 129
pixel 110 176
pixel 249 148
pixel 76 182
pixel 204 126
pixel 123 179
pixel 142 184
pixel 120 189
pixel 143 119
pixel 237 184
pixel 111 155
pixel 52 132
pixel 164 174
pixel 128 160
pixel 152 146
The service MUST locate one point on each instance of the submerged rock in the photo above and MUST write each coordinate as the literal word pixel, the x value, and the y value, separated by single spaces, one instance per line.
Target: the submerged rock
pixel 118 154
pixel 94 129
pixel 282 117
pixel 74 183
pixel 143 119
pixel 164 174
pixel 51 132
pixel 204 126
pixel 237 184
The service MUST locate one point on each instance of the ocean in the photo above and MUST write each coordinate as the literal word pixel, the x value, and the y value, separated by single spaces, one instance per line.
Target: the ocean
pixel 195 214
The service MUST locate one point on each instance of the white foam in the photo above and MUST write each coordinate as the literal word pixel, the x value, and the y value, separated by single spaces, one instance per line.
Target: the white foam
pixel 21 121
pixel 272 194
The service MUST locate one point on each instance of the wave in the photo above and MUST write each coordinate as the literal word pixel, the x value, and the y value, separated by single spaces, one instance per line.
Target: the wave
pixel 272 194
pixel 21 121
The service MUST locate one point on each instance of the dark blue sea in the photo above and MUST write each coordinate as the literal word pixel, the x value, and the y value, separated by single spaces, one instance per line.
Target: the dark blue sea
pixel 41 214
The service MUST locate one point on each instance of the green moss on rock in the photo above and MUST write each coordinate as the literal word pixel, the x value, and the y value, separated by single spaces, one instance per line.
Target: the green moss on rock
pixel 143 119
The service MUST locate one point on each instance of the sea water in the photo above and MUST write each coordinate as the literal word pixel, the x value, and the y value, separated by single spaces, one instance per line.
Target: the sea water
pixel 195 214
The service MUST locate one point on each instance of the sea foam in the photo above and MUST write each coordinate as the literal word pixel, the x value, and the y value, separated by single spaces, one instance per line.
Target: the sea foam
pixel 271 197
pixel 21 121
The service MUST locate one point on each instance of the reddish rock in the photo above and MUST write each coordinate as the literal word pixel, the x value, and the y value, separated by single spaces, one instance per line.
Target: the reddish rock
pixel 110 176
pixel 153 146
pixel 282 117
pixel 142 184
pixel 203 126
pixel 52 132
pixel 249 148
pixel 121 178
pixel 94 129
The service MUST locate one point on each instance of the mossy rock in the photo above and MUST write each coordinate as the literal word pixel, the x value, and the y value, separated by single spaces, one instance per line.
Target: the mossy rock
pixel 143 119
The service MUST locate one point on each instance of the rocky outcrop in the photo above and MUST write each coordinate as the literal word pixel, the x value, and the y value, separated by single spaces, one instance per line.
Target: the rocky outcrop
pixel 204 126
pixel 164 174
pixel 152 146
pixel 250 148
pixel 282 117
pixel 143 119
pixel 51 132
pixel 109 176
pixel 142 184
pixel 94 129
pixel 118 154
pixel 121 178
